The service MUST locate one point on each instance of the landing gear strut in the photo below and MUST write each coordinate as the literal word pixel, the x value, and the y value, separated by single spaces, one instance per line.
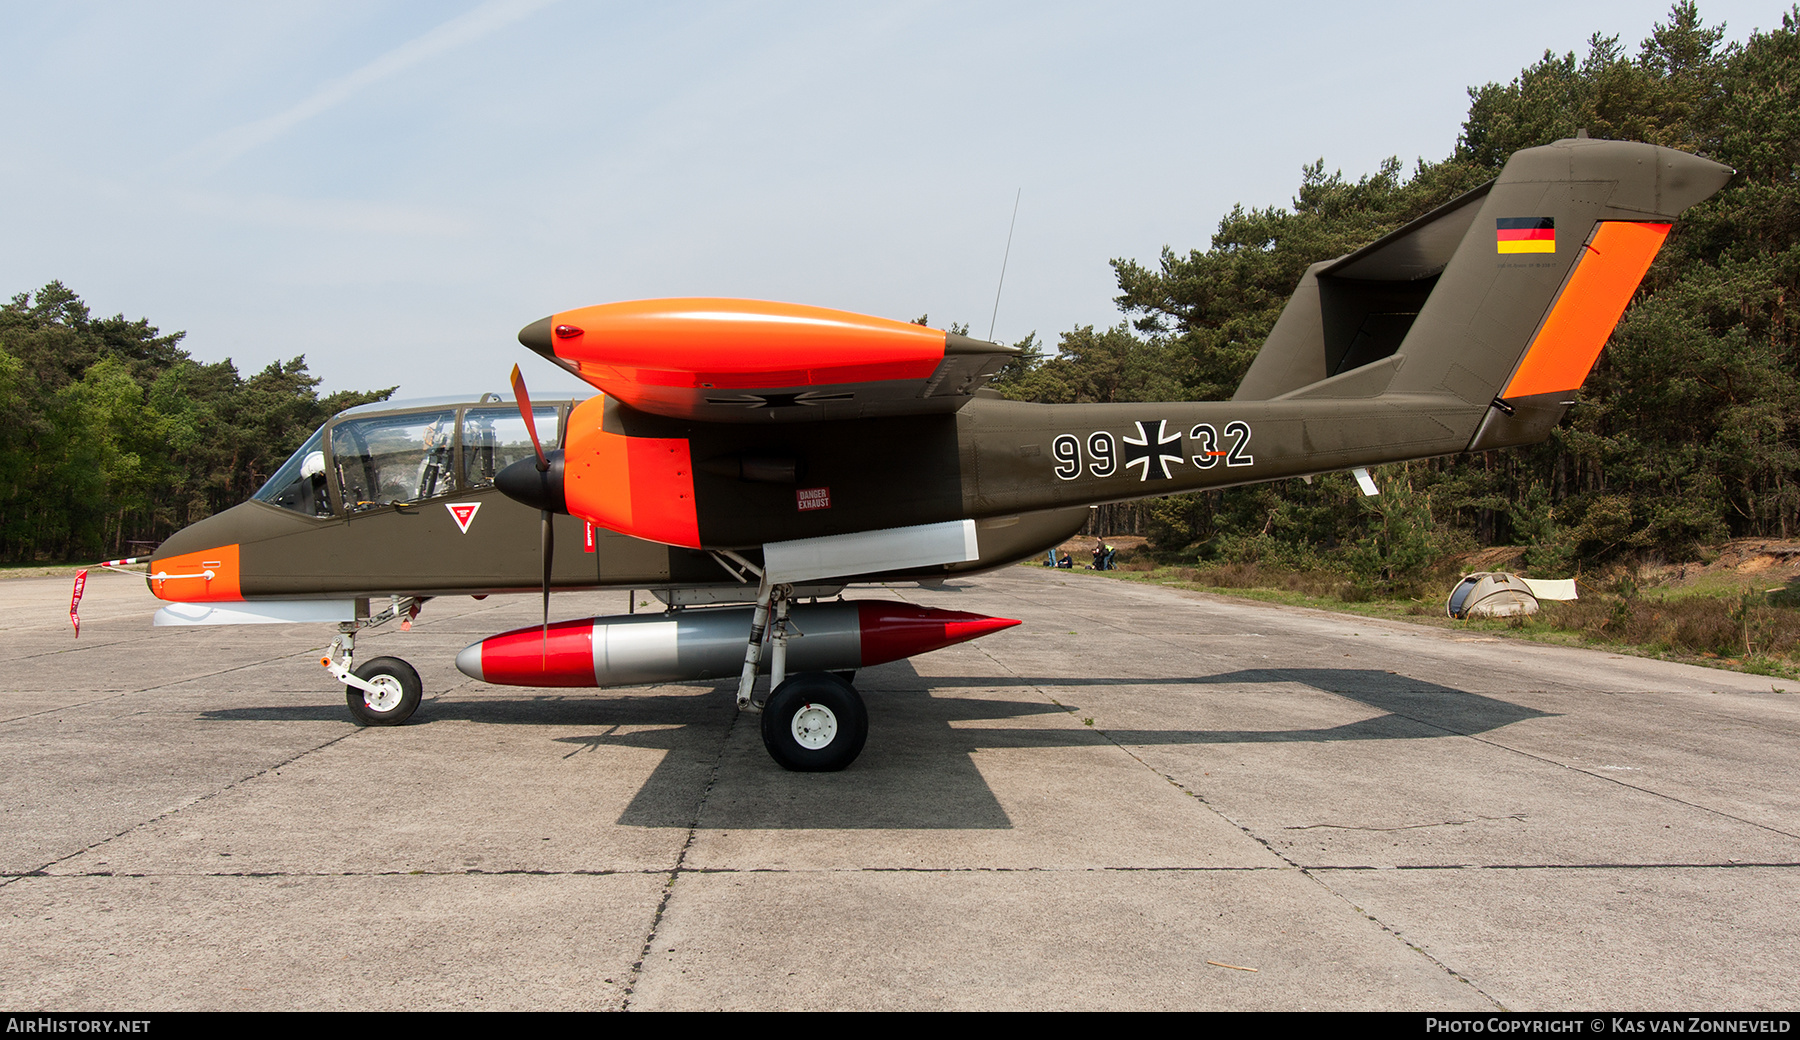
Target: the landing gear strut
pixel 382 692
pixel 814 722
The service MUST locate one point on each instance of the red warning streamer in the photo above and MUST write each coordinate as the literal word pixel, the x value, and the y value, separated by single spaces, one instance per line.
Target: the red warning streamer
pixel 75 600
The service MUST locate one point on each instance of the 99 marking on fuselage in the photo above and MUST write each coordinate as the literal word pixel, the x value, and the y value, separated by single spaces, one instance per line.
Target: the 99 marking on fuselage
pixel 1151 450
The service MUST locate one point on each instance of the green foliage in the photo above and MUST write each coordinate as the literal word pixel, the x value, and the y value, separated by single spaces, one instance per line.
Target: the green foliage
pixel 1111 365
pixel 110 434
pixel 1021 365
pixel 1686 431
pixel 1402 540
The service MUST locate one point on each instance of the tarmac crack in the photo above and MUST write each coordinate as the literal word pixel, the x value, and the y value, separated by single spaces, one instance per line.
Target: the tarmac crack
pixel 44 870
pixel 1490 742
pixel 1617 780
pixel 640 872
pixel 1519 816
pixel 1310 873
pixel 112 695
pixel 1727 865
pixel 637 968
pixel 1311 870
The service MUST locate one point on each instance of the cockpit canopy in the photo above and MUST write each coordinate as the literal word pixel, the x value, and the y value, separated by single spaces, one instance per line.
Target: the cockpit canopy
pixel 394 453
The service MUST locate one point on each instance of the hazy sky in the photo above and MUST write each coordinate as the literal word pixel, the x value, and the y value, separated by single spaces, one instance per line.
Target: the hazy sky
pixel 393 189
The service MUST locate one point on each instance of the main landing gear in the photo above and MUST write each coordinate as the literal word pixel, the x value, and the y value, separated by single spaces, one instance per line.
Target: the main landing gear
pixel 814 723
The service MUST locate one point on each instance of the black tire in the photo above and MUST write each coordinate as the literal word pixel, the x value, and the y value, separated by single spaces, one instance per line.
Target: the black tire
pixel 399 696
pixel 814 723
pixel 848 675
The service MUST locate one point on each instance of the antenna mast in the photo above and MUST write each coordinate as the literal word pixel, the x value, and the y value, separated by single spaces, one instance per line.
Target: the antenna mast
pixel 1008 255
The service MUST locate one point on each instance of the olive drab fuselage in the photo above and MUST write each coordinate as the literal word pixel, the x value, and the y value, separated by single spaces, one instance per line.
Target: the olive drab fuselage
pixel 730 425
pixel 745 451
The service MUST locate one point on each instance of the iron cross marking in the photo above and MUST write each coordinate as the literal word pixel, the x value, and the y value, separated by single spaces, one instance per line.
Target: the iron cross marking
pixel 1148 450
pixel 795 400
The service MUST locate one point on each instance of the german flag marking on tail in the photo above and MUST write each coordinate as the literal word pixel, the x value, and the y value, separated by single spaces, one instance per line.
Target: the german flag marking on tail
pixel 1525 234
pixel 1592 301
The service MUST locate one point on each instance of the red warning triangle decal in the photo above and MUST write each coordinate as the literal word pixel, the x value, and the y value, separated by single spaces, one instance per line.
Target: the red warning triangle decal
pixel 464 512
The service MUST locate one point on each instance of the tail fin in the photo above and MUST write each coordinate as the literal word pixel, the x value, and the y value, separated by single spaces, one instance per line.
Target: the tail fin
pixel 1501 298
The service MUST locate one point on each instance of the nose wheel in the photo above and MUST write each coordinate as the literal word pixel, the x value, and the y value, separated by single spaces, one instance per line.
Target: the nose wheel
pixel 814 723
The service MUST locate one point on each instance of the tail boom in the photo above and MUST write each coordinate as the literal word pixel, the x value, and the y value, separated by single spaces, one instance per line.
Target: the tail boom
pixel 1473 327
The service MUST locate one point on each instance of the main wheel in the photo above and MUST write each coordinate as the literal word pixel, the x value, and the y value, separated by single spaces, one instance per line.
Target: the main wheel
pixel 394 698
pixel 814 723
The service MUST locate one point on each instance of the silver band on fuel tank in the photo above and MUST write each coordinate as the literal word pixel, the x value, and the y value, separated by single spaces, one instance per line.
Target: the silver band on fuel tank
pixel 637 650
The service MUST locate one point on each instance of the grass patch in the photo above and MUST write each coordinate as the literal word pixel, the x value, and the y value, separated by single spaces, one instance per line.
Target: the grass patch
pixel 1717 625
pixel 39 570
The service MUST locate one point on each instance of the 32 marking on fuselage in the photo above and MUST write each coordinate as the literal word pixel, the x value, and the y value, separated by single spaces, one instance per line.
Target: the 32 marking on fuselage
pixel 1210 453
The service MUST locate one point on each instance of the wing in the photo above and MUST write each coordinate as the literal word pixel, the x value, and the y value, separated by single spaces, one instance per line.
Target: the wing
pixel 754 361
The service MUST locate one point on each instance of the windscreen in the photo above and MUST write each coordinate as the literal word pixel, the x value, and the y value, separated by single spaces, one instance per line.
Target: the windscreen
pixel 296 485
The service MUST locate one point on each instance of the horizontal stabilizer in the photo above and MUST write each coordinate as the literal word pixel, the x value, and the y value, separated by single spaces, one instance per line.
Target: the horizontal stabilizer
pixel 1420 249
pixel 1354 311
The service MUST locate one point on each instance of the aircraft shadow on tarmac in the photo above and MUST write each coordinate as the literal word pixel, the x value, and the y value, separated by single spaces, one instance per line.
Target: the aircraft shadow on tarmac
pixel 1415 708
pixel 920 769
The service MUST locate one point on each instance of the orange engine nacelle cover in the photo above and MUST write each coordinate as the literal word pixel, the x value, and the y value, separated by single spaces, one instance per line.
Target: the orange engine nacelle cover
pixel 640 486
pixel 722 344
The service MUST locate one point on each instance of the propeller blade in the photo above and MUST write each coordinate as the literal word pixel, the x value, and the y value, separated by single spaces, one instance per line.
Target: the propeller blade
pixel 548 548
pixel 524 402
pixel 547 537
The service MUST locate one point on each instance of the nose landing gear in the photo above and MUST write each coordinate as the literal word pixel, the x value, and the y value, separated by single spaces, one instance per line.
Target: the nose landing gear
pixel 382 692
